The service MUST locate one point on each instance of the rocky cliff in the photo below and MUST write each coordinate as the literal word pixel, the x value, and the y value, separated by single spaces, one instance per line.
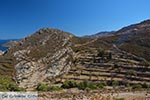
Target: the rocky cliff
pixel 42 56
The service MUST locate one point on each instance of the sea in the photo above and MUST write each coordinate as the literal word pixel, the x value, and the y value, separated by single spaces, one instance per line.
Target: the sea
pixel 2 48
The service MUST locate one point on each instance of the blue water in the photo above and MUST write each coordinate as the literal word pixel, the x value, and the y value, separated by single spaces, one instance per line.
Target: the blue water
pixel 3 48
pixel 3 42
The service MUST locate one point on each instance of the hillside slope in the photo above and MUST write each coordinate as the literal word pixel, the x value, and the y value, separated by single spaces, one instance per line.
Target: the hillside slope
pixel 134 39
pixel 41 57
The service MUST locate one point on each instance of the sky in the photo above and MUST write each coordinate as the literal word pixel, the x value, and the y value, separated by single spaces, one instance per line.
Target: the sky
pixel 20 18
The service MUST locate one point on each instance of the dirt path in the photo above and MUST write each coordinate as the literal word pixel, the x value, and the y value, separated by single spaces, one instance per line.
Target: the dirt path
pixel 127 53
pixel 82 95
pixel 78 45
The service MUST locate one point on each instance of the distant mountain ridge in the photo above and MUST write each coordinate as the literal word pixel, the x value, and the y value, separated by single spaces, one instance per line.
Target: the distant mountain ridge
pixel 100 34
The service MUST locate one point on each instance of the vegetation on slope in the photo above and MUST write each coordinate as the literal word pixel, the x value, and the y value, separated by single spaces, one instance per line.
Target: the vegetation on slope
pixel 7 84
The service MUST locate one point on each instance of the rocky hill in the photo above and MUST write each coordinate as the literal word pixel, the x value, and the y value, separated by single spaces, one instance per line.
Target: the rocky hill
pixel 41 57
pixel 53 57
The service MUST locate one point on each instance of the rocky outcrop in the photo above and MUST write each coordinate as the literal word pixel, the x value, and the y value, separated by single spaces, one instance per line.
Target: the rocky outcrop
pixel 1 52
pixel 42 56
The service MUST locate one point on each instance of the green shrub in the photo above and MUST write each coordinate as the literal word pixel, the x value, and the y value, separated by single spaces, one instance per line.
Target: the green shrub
pixel 137 86
pixel 119 99
pixel 42 87
pixel 101 53
pixel 101 85
pixel 147 64
pixel 46 87
pixel 86 84
pixel 6 84
pixel 54 88
pixel 116 66
pixel 131 73
pixel 104 83
pixel 14 87
pixel 69 84
pixel 145 85
pixel 115 83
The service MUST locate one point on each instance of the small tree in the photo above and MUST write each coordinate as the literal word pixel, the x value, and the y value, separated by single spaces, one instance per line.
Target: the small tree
pixel 146 85
pixel 131 73
pixel 116 66
pixel 147 64
pixel 137 86
pixel 101 53
pixel 115 83
pixel 110 56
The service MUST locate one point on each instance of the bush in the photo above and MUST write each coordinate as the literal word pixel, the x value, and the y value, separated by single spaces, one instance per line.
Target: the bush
pixel 115 83
pixel 104 83
pixel 145 85
pixel 6 84
pixel 131 73
pixel 137 86
pixel 69 84
pixel 46 87
pixel 101 85
pixel 54 88
pixel 147 64
pixel 14 87
pixel 119 99
pixel 116 66
pixel 42 87
pixel 101 53
pixel 87 85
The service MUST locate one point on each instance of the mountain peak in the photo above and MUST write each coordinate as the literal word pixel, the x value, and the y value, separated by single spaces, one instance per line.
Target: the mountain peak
pixel 51 31
pixel 145 22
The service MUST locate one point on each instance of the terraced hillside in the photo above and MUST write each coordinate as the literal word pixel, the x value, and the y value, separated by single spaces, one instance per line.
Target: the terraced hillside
pixel 97 61
pixel 6 66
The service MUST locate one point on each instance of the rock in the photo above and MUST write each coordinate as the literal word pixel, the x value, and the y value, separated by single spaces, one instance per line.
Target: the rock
pixel 42 57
